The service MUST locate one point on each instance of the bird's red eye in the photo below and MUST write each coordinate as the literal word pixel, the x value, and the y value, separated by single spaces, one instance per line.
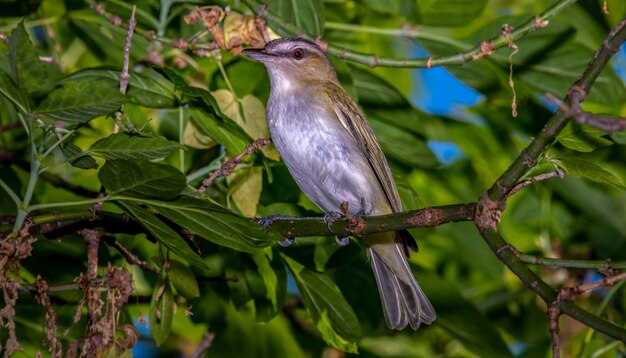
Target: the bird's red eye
pixel 298 54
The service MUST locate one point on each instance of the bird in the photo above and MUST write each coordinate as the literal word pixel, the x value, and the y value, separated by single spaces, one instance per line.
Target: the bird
pixel 333 155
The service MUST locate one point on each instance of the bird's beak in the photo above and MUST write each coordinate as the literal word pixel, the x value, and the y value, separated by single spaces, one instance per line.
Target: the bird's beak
pixel 258 54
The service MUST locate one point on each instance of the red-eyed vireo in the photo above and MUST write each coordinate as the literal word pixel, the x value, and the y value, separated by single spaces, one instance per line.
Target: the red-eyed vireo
pixel 333 155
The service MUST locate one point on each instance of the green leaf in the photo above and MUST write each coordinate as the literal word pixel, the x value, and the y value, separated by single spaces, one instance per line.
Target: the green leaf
pixel 77 157
pixel 203 96
pixel 161 313
pixel 402 8
pixel 333 316
pixel 306 15
pixel 449 12
pixel 582 168
pixel 208 119
pixel 142 179
pixel 582 138
pixel 403 146
pixel 217 224
pixel 134 147
pixel 231 136
pixel 261 278
pixel 12 92
pixel 165 234
pixel 183 279
pixel 82 101
pixel 147 88
pixel 26 68
pixel 461 318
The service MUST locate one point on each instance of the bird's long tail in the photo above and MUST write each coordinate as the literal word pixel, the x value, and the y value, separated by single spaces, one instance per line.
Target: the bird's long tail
pixel 402 299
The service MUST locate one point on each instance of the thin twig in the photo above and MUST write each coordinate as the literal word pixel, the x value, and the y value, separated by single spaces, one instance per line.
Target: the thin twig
pixel 608 124
pixel 129 256
pixel 227 168
pixel 568 263
pixel 538 178
pixel 607 281
pixel 485 48
pixel 553 318
pixel 125 75
pixel 207 340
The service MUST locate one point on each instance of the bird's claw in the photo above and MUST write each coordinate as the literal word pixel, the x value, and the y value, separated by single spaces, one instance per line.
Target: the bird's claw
pixel 287 242
pixel 344 241
pixel 267 221
pixel 330 218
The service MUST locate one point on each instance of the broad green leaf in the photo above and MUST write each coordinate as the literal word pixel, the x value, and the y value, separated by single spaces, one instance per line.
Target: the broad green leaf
pixel 402 8
pixel 306 15
pixel 449 12
pixel 77 157
pixel 26 68
pixel 12 92
pixel 461 318
pixel 403 146
pixel 161 313
pixel 183 279
pixel 82 101
pixel 269 294
pixel 208 119
pixel 249 114
pixel 333 316
pixel 103 38
pixel 165 234
pixel 382 101
pixel 134 147
pixel 147 88
pixel 210 125
pixel 244 188
pixel 582 168
pixel 582 138
pixel 217 224
pixel 142 179
pixel 261 278
pixel 202 95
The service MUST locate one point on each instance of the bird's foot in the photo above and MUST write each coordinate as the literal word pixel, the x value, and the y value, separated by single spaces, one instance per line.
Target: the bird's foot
pixel 344 241
pixel 287 242
pixel 267 221
pixel 330 218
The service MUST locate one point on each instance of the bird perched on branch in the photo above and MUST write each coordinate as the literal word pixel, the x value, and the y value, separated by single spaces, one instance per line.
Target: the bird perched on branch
pixel 334 157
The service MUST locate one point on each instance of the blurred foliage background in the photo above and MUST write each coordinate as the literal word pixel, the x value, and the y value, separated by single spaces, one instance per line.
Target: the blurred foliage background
pixel 193 102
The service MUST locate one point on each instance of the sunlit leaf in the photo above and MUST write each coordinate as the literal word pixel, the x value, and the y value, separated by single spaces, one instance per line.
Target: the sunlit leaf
pixel 134 147
pixel 333 316
pixel 306 15
pixel 582 168
pixel 582 138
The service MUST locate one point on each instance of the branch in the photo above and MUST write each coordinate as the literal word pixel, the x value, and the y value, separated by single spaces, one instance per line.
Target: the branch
pixel 538 178
pixel 578 92
pixel 485 48
pixel 601 265
pixel 428 217
pixel 608 124
pixel 227 168
pixel 503 251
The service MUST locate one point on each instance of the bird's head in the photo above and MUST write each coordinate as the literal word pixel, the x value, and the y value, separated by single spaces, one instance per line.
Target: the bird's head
pixel 293 61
